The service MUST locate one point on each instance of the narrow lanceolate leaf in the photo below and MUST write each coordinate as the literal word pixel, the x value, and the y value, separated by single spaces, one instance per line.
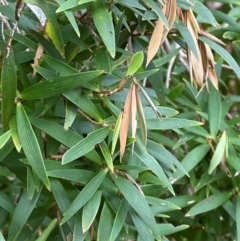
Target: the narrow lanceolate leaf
pixel 30 145
pixel 58 85
pixel 104 24
pixel 116 132
pixel 214 110
pixel 86 193
pixel 106 154
pixel 209 203
pixel 46 232
pixel 85 145
pixel 14 133
pixel 237 219
pixel 218 155
pixel 8 87
pixel 119 220
pixel 135 63
pixel 90 210
pixel 105 223
pixel 141 117
pixel 21 214
pixel 125 122
pixel 137 201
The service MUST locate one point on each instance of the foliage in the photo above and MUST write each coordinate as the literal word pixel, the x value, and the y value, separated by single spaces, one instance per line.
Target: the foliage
pixel 119 120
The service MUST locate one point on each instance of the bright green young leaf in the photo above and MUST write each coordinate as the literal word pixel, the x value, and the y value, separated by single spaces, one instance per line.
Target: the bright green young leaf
pixel 214 110
pixel 30 145
pixel 209 203
pixel 58 85
pixel 90 210
pixel 21 214
pixel 104 24
pixel 219 153
pixel 86 193
pixel 119 219
pixel 223 53
pixel 46 232
pixel 116 132
pixel 105 223
pixel 8 87
pixel 135 63
pixel 85 145
pixel 137 201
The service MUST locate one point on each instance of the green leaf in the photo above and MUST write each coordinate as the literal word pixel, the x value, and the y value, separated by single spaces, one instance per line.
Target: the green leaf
pixel 204 14
pixel 46 232
pixel 58 85
pixel 78 234
pixel 142 228
pixel 90 210
pixel 105 223
pixel 158 11
pixel 71 18
pixel 103 22
pixel 86 193
pixel 154 166
pixel 85 145
pixel 6 202
pixel 187 37
pixel 191 160
pixel 237 219
pixel 84 103
pixel 102 60
pixel 4 138
pixel 30 184
pixel 106 154
pixel 116 132
pixel 209 203
pixel 14 132
pixel 30 145
pixel 182 200
pixel 8 87
pixel 135 63
pixel 162 154
pixel 119 220
pixel 137 201
pixel 214 110
pixel 219 153
pixel 71 113
pixel 172 123
pixel 223 53
pixel 21 214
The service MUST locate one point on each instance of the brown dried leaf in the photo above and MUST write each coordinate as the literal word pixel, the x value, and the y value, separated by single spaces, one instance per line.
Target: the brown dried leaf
pixel 211 67
pixel 125 122
pixel 210 36
pixel 160 32
pixel 38 56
